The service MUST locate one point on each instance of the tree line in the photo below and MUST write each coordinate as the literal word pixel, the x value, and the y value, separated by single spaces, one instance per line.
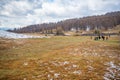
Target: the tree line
pixel 101 22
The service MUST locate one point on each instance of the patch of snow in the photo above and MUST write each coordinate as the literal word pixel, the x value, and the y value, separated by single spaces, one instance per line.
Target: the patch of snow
pixel 105 78
pixel 77 72
pixel 108 76
pixel 25 63
pixel 6 34
pixel 56 75
pixel 68 68
pixel 48 75
pixel 66 62
pixel 74 66
pixel 90 68
pixel 63 63
pixel 113 71
pixel 112 65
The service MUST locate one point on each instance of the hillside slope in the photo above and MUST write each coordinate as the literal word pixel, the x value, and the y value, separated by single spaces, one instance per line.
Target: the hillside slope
pixel 104 22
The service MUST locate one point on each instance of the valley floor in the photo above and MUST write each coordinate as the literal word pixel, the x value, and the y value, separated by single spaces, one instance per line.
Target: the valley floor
pixel 60 58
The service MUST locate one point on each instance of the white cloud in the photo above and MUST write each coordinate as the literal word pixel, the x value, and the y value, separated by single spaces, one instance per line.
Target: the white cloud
pixel 14 8
pixel 26 12
pixel 101 4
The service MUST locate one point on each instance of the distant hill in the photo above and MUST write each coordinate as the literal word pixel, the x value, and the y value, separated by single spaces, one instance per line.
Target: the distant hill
pixel 102 22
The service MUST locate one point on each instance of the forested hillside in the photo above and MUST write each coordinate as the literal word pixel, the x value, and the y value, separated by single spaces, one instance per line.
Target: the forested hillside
pixel 103 22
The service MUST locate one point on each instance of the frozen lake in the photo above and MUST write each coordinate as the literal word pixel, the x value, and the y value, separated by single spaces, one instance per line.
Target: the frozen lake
pixel 6 34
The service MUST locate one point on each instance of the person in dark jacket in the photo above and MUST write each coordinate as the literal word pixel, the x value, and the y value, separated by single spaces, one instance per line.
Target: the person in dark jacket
pixel 103 37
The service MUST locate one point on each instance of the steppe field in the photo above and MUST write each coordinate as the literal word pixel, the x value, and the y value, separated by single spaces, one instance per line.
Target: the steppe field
pixel 60 58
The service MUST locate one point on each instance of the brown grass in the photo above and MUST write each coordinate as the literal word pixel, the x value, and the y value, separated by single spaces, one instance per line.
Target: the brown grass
pixel 60 58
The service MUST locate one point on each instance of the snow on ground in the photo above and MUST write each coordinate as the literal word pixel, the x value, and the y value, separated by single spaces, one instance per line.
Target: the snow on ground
pixel 25 63
pixel 77 72
pixel 112 71
pixel 56 75
pixel 6 34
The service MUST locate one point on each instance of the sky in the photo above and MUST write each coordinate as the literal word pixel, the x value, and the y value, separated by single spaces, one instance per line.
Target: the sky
pixel 20 13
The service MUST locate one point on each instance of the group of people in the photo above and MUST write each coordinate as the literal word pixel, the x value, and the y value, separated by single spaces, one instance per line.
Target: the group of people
pixel 101 37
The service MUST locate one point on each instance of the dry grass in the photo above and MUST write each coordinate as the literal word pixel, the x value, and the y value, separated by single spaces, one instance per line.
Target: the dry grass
pixel 60 58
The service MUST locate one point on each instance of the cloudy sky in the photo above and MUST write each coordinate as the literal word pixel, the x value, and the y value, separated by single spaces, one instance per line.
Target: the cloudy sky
pixel 19 13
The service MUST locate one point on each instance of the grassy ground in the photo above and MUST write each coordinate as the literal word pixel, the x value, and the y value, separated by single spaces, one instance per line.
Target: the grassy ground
pixel 60 58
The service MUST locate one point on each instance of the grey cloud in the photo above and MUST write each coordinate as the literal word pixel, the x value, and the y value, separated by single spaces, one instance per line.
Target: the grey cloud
pixel 26 12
